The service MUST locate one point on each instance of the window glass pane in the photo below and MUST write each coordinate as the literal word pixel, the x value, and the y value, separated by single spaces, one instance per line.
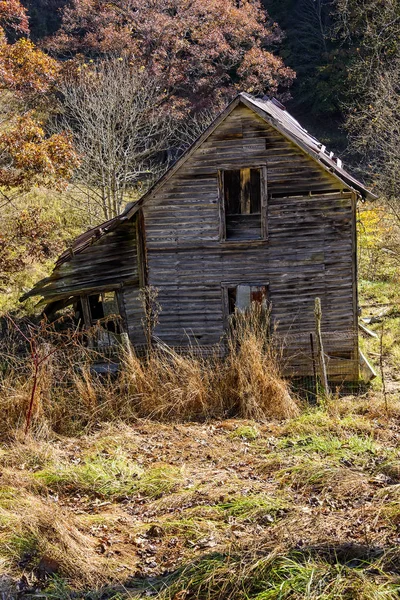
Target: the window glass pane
pixel 243 297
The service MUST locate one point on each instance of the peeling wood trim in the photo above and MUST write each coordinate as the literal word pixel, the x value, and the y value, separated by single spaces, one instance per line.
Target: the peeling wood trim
pixel 141 249
pixel 354 267
pixel 264 203
pixel 221 206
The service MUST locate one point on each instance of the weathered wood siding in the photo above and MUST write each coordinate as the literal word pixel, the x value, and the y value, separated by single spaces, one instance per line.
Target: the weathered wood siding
pixel 134 314
pixel 106 264
pixel 309 251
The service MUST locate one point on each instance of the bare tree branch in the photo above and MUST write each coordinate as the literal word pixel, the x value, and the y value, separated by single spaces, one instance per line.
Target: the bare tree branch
pixel 121 129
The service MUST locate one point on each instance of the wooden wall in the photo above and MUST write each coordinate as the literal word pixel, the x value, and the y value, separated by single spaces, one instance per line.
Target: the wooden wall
pixel 309 251
pixel 106 264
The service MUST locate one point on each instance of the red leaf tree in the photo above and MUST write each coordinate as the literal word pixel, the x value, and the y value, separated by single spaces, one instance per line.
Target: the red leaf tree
pixel 204 50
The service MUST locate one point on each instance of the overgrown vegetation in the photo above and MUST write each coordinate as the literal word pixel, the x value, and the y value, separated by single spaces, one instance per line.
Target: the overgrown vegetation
pixel 69 396
pixel 110 496
pixel 308 506
pixel 185 478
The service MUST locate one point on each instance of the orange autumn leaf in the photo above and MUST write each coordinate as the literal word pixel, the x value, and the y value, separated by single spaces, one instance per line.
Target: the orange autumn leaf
pixel 28 157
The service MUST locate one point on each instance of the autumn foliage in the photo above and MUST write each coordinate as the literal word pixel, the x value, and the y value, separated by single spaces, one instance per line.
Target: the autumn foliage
pixel 13 16
pixel 29 157
pixel 27 237
pixel 27 76
pixel 24 69
pixel 203 50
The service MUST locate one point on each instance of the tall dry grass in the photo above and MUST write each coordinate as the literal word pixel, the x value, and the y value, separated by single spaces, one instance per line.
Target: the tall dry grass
pixel 165 385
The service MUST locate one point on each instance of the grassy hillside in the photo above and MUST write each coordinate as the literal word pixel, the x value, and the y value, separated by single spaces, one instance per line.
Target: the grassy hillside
pixel 114 494
pixel 35 229
pixel 309 507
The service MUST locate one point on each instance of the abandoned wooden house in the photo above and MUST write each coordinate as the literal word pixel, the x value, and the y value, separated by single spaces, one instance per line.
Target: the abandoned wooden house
pixel 255 210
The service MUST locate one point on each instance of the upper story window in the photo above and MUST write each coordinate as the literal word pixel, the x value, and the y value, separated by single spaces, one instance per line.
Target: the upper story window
pixel 243 204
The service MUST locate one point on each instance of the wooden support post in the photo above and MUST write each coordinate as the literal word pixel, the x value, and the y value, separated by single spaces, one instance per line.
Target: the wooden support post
pixel 320 346
pixel 87 318
pixel 314 366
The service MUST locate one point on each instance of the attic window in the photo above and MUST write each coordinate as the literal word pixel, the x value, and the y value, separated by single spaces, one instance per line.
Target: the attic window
pixel 242 204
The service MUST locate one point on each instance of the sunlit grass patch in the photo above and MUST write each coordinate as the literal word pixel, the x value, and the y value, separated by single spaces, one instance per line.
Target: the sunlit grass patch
pixel 111 439
pixel 321 474
pixel 389 498
pixel 8 495
pixel 99 474
pixel 194 529
pixel 245 432
pixel 353 449
pixel 19 546
pixel 317 421
pixel 159 480
pixel 379 292
pixel 391 511
pixel 278 577
pixel 253 508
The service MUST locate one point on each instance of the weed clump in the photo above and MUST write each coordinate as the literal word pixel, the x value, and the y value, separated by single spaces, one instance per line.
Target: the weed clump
pixel 164 385
pixel 267 575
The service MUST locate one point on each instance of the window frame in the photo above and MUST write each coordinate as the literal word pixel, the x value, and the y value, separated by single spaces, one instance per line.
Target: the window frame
pixel 227 285
pixel 89 322
pixel 264 204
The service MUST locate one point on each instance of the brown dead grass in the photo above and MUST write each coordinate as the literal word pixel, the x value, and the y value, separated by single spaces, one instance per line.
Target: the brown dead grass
pixel 201 489
pixel 164 386
pixel 37 533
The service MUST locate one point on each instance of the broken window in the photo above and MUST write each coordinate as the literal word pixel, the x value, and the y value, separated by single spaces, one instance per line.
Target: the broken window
pixel 246 305
pixel 242 296
pixel 102 315
pixel 242 204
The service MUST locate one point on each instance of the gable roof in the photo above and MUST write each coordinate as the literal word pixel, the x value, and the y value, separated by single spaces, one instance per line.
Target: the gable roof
pixel 276 115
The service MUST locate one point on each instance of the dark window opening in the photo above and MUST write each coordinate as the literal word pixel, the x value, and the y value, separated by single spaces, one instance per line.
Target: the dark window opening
pixel 242 203
pixel 242 192
pixel 102 316
pixel 231 300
